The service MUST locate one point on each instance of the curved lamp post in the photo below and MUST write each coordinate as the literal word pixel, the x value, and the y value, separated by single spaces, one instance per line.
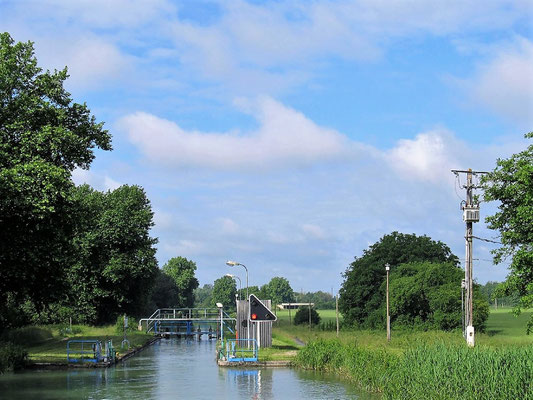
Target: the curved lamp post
pixel 240 283
pixel 234 263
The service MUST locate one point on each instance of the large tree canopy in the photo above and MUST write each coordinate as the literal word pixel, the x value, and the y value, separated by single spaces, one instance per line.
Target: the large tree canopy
pixel 224 290
pixel 428 295
pixel 181 271
pixel 43 137
pixel 511 183
pixel 362 295
pixel 115 266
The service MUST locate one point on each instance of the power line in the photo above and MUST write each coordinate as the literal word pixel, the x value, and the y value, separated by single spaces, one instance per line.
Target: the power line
pixel 486 240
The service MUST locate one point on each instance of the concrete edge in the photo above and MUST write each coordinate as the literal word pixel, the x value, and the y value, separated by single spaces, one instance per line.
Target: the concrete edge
pixel 65 365
pixel 256 364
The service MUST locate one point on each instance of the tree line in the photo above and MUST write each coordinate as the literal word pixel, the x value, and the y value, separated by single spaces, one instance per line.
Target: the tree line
pixel 65 250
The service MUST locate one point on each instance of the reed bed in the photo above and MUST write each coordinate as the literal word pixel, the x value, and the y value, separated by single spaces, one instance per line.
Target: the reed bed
pixel 428 371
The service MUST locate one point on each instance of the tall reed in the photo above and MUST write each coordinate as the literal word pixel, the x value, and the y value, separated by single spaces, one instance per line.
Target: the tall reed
pixel 428 371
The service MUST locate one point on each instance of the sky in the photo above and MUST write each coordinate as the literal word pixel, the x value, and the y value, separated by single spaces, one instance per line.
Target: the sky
pixel 291 135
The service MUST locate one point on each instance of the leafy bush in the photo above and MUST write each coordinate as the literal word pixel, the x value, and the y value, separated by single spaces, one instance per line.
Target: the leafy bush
pixel 302 316
pixel 12 357
pixel 67 330
pixel 119 325
pixel 28 335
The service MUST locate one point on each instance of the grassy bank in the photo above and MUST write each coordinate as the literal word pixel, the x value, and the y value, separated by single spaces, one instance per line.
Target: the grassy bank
pixel 423 371
pixel 48 344
pixel 422 365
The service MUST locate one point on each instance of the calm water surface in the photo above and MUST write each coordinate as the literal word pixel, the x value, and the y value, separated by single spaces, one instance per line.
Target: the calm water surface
pixel 175 369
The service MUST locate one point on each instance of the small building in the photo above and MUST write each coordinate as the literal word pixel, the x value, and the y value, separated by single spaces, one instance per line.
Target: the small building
pixel 294 306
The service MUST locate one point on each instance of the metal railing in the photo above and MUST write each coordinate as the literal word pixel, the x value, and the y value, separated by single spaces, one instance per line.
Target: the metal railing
pixel 205 315
pixel 84 351
pixel 90 351
pixel 241 350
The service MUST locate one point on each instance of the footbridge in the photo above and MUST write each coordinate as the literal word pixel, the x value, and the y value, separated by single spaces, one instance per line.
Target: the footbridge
pixel 188 322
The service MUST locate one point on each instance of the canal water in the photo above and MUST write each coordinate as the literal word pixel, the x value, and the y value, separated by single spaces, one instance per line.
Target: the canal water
pixel 175 369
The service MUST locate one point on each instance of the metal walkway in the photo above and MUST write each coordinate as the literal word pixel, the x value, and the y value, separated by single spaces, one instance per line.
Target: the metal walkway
pixel 187 322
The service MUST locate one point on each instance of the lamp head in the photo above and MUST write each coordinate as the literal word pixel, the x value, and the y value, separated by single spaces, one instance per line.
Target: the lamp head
pixel 232 263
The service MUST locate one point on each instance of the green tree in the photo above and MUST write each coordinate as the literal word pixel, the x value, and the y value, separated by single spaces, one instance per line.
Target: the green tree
pixel 203 296
pixel 428 295
pixel 115 267
pixel 224 290
pixel 44 136
pixel 321 300
pixel 164 293
pixel 181 271
pixel 279 291
pixel 362 295
pixel 511 183
pixel 302 316
pixel 259 292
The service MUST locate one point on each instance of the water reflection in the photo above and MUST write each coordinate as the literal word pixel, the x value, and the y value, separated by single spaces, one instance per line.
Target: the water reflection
pixel 173 369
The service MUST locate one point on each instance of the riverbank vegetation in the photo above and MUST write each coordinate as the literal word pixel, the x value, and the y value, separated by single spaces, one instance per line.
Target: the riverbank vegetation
pixel 48 343
pixel 442 370
pixel 418 364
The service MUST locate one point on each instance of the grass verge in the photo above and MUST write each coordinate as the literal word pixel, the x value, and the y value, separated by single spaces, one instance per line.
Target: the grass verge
pixel 48 344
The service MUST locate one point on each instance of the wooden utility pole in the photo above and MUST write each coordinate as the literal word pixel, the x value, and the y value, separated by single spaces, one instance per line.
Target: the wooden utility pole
pixel 309 315
pixel 337 312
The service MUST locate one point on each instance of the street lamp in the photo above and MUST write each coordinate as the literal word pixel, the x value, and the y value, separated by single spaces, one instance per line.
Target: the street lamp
pixel 387 268
pixel 234 263
pixel 240 284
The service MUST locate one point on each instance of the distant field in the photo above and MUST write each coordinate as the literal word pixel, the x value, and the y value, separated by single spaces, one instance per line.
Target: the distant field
pixel 325 316
pixel 503 322
pixel 503 327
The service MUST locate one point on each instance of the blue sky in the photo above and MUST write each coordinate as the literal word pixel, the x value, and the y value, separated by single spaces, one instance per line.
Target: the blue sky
pixel 291 135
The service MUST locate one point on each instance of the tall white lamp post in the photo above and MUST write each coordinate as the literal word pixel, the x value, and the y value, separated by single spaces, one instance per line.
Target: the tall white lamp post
pixel 233 264
pixel 387 268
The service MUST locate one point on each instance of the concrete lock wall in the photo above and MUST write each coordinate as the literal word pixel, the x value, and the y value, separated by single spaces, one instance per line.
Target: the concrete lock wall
pixel 265 328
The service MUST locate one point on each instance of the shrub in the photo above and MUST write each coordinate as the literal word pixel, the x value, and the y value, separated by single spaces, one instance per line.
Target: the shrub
pixel 302 316
pixel 27 335
pixel 12 357
pixel 119 325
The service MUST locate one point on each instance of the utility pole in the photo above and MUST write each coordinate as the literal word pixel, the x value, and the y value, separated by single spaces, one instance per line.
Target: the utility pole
pixel 337 312
pixel 470 215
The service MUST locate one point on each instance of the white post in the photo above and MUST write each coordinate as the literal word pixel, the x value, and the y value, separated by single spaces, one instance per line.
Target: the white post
pixel 387 267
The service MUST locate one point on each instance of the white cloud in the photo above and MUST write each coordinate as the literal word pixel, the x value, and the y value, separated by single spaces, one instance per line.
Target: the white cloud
pixel 98 181
pixel 110 183
pixel 92 61
pixel 284 136
pixel 228 226
pixel 505 83
pixel 430 156
pixel 313 231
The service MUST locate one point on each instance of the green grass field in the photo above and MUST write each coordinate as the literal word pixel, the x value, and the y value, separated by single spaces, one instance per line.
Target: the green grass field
pixel 503 328
pixel 503 322
pixel 48 344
